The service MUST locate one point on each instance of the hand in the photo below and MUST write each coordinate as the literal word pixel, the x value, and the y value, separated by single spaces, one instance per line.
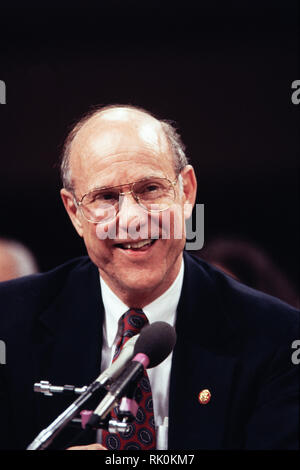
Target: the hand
pixel 88 447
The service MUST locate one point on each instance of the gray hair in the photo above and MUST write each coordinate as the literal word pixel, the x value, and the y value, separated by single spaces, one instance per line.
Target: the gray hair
pixel 170 131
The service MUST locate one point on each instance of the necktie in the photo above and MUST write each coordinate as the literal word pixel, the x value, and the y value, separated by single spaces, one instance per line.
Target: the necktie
pixel 141 434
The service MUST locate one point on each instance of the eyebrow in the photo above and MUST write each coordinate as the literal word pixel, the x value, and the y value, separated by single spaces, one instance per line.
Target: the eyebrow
pixel 98 188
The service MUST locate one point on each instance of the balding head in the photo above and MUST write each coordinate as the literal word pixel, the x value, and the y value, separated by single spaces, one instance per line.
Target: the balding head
pixel 107 122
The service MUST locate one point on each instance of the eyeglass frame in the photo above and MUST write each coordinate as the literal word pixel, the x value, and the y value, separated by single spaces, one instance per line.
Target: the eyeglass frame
pixel 78 204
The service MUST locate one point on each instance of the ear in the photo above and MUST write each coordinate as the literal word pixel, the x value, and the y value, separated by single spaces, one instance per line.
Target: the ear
pixel 189 190
pixel 72 210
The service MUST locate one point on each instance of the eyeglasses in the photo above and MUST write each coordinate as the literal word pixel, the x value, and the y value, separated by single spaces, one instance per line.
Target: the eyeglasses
pixel 103 204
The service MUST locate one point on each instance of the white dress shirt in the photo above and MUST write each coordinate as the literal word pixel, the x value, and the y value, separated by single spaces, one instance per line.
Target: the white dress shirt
pixel 161 309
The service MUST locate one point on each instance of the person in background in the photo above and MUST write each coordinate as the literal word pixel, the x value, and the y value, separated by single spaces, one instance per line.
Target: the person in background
pixel 16 260
pixel 250 264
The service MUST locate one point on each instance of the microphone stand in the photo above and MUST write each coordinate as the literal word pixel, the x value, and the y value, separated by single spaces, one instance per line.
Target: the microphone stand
pixel 123 385
pixel 46 436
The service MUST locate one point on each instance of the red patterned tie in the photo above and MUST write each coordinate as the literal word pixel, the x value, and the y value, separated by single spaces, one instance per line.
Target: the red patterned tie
pixel 141 434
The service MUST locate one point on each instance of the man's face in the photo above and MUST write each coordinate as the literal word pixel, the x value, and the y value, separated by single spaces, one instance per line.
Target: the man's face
pixel 121 147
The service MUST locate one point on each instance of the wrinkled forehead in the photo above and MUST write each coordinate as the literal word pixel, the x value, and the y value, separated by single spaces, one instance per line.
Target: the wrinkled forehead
pixel 117 131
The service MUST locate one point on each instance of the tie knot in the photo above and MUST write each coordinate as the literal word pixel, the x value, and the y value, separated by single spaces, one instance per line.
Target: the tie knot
pixel 133 321
pixel 131 324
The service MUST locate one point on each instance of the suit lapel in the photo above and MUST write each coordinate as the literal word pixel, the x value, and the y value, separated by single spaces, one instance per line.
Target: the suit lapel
pixel 77 343
pixel 203 358
pixel 68 349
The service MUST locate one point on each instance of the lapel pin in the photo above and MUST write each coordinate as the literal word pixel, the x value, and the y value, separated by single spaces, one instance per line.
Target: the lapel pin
pixel 204 396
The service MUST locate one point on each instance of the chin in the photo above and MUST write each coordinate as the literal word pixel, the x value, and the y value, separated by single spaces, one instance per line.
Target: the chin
pixel 142 282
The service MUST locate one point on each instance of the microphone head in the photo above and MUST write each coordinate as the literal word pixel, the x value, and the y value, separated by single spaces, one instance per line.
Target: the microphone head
pixel 156 341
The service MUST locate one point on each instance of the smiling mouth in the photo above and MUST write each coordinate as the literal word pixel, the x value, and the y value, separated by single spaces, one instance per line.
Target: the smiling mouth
pixel 141 245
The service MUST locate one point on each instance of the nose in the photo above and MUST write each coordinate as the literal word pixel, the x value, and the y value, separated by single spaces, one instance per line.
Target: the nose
pixel 132 218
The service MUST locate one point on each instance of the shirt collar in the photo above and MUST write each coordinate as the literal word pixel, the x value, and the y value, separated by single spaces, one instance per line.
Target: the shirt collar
pixel 161 309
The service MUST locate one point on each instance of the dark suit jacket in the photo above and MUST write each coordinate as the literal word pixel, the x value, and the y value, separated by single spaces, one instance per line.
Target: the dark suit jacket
pixel 232 340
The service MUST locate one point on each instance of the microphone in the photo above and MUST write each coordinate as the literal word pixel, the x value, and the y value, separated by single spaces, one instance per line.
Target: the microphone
pixel 114 370
pixel 155 343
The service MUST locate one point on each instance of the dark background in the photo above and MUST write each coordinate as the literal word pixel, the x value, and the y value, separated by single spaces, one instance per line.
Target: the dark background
pixel 223 73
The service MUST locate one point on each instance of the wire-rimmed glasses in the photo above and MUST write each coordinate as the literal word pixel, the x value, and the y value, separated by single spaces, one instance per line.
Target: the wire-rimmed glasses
pixel 153 194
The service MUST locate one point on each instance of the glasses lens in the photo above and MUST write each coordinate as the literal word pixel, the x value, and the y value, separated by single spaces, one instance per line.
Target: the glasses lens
pixel 100 205
pixel 155 194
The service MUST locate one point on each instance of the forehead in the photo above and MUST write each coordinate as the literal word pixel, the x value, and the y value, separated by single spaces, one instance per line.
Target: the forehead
pixel 119 143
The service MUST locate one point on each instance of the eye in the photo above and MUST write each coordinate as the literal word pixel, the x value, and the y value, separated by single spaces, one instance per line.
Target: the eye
pixel 148 187
pixel 107 196
pixel 104 196
pixel 151 187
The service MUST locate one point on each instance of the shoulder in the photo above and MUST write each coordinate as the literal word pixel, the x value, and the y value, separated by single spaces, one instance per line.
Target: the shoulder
pixel 51 279
pixel 33 293
pixel 253 312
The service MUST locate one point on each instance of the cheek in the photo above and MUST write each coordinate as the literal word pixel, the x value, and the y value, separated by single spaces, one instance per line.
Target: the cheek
pixel 188 209
pixel 95 246
pixel 169 224
pixel 173 223
pixel 105 231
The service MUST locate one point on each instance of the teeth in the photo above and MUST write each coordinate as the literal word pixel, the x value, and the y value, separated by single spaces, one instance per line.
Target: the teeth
pixel 136 245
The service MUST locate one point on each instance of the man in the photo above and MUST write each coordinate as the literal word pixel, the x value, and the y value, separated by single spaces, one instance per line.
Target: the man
pixel 230 382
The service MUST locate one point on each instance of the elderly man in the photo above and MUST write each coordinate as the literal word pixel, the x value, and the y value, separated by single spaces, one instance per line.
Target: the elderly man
pixel 230 382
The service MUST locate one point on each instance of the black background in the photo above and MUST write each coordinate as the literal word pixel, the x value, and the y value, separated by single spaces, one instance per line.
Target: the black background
pixel 223 73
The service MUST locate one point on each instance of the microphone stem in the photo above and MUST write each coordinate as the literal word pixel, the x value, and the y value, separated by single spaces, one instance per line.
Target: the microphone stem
pixel 46 436
pixel 120 387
